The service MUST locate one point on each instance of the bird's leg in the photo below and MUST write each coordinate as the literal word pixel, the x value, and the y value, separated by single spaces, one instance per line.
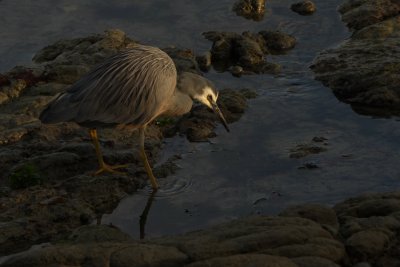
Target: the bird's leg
pixel 103 166
pixel 146 164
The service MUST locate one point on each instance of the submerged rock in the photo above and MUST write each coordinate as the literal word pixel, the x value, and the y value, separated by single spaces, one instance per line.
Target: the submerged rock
pixel 304 8
pixel 303 150
pixel 250 9
pixel 364 70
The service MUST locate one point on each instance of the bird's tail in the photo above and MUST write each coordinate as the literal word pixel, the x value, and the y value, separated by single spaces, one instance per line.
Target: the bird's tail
pixel 60 109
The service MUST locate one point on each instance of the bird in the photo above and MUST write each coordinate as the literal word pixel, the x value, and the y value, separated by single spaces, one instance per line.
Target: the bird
pixel 132 87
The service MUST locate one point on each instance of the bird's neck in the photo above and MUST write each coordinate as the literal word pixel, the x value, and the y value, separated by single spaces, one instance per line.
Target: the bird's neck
pixel 179 104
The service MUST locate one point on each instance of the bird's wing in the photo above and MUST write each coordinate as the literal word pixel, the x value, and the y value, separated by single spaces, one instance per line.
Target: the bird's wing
pixel 131 87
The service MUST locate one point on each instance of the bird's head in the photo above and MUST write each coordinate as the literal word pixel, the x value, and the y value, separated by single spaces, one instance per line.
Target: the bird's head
pixel 202 90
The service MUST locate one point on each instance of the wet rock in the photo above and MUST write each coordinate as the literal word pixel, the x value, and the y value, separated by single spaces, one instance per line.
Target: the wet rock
pixel 245 53
pixel 67 74
pixel 304 8
pixel 147 255
pixel 248 93
pixel 367 244
pixel 200 123
pixel 28 219
pixel 278 42
pixel 14 90
pixel 4 80
pixel 99 246
pixel 43 213
pixel 53 166
pixel 12 135
pixel 184 59
pixel 331 250
pixel 236 71
pixel 167 168
pixel 250 235
pixel 314 262
pixel 48 89
pixel 304 150
pixel 198 131
pixel 97 233
pixel 291 239
pixel 362 264
pixel 255 241
pixel 254 260
pixel 204 61
pixel 67 60
pixel 30 75
pixel 66 50
pixel 370 225
pixel 248 52
pixel 29 105
pixel 14 83
pixel 250 9
pixel 363 71
pixel 309 165
pixel 103 193
pixel 319 139
pixel 360 14
pixel 318 213
pixel 3 97
pixel 368 207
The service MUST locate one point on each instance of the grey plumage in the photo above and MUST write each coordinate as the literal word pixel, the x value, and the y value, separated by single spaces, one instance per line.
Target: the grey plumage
pixel 128 88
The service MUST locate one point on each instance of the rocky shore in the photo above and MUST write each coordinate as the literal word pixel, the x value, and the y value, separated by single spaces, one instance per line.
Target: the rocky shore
pixel 49 197
pixel 362 231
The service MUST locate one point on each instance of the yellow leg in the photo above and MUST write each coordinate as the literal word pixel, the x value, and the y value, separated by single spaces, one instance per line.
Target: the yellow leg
pixel 103 166
pixel 146 164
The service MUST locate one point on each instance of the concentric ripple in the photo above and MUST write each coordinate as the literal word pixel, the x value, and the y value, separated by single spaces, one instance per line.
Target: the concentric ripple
pixel 169 187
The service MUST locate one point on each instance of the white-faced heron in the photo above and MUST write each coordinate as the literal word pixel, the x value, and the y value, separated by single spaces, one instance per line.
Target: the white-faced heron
pixel 132 87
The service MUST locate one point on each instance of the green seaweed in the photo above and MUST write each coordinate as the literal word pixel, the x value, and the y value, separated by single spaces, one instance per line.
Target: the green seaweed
pixel 25 176
pixel 164 121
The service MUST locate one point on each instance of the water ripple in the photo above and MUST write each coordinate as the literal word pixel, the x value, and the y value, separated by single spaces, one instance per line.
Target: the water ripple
pixel 169 187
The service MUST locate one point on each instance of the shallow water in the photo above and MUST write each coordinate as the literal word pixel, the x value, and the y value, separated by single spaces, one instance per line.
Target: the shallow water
pixel 246 171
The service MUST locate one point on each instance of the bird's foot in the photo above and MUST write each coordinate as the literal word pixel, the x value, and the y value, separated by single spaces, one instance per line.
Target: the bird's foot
pixel 110 169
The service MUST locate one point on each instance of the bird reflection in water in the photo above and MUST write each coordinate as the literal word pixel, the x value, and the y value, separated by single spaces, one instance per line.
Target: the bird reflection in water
pixel 143 216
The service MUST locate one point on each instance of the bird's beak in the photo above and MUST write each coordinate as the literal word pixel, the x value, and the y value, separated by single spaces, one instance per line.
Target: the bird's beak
pixel 217 111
